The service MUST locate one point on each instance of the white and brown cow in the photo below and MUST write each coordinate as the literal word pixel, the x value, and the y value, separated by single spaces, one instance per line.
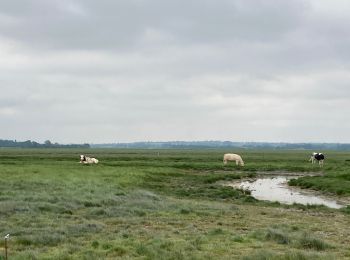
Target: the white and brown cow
pixel 87 160
pixel 317 157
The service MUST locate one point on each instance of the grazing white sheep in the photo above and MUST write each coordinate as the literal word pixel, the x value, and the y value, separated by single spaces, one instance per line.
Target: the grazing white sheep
pixel 87 160
pixel 233 157
pixel 317 157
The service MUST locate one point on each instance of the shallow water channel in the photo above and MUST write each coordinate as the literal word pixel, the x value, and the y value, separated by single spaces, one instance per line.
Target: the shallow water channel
pixel 275 188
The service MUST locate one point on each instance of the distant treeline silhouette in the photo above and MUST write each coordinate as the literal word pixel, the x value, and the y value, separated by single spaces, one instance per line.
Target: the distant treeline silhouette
pixel 227 144
pixel 33 144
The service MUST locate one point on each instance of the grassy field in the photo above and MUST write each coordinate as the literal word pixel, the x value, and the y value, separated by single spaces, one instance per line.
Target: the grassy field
pixel 166 204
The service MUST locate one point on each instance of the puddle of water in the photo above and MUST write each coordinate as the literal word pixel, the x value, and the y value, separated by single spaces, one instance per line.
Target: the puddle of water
pixel 276 189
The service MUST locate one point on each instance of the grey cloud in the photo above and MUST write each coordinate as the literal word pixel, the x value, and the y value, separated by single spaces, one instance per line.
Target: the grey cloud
pixel 101 71
pixel 113 24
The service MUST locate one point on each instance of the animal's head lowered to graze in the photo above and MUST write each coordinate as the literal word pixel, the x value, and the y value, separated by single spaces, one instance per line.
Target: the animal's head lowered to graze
pixel 233 157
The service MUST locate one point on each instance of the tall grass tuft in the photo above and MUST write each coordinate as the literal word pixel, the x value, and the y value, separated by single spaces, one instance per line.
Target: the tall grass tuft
pixel 308 242
pixel 277 235
pixel 260 255
pixel 290 255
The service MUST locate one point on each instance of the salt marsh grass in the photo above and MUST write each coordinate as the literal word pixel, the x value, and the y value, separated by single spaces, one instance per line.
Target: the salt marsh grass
pixel 138 204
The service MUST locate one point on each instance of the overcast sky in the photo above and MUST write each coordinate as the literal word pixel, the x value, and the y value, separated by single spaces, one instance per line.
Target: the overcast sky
pixel 157 70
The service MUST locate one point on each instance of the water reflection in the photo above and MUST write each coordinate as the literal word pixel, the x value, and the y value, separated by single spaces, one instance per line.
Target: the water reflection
pixel 276 189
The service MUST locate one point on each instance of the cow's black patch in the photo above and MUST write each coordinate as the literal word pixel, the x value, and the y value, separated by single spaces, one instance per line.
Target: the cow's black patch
pixel 319 156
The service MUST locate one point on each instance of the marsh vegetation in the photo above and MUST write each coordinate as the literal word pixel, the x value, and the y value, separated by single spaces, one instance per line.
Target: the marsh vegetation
pixel 165 204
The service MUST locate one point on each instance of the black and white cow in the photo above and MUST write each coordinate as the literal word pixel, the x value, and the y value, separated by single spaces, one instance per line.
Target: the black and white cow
pixel 317 157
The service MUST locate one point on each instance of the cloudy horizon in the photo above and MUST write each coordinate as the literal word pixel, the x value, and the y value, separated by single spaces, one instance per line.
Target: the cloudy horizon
pixel 123 71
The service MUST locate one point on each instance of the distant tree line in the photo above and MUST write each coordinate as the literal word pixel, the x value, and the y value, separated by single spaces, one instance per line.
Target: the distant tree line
pixel 227 144
pixel 33 144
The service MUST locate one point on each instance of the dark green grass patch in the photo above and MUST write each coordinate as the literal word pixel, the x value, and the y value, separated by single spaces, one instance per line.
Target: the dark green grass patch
pixel 346 209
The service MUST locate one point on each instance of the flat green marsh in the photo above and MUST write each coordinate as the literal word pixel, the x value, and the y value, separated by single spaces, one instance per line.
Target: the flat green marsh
pixel 166 204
